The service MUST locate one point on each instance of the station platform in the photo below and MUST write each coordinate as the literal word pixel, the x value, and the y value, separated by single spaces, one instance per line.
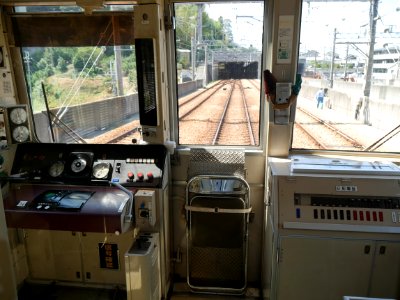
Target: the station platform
pixel 366 134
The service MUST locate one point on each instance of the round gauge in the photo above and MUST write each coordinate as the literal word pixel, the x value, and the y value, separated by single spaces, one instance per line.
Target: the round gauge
pixel 20 134
pixel 101 170
pixel 78 165
pixel 18 115
pixel 56 169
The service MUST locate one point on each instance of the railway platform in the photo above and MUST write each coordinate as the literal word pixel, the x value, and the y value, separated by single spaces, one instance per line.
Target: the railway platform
pixel 365 134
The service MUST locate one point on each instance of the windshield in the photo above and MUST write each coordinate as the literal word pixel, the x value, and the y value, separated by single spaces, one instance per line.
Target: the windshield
pixel 218 66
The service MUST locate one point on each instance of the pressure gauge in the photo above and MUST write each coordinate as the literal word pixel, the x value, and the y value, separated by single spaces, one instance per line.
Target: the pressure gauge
pixel 17 124
pixel 56 169
pixel 78 165
pixel 101 170
pixel 21 134
pixel 18 115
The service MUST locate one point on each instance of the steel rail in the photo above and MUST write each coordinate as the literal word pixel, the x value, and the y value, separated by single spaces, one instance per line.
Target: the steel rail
pixel 355 143
pixel 200 103
pixel 246 110
pixel 222 119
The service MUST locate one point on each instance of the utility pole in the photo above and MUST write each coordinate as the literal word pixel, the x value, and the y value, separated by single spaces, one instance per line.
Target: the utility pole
pixel 347 59
pixel 373 17
pixel 199 30
pixel 333 59
pixel 194 49
pixel 118 59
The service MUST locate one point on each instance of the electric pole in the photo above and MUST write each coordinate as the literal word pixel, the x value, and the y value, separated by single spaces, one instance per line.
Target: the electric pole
pixel 373 17
pixel 333 59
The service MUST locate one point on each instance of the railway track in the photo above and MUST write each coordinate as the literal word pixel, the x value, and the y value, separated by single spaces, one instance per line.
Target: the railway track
pixel 255 83
pixel 322 134
pixel 188 105
pixel 125 138
pixel 125 134
pixel 235 119
pixel 222 119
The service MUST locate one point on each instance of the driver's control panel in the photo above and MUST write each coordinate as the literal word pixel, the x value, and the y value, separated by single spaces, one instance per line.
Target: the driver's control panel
pixel 84 187
pixel 128 165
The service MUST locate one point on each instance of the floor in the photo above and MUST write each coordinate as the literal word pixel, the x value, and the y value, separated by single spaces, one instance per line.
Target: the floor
pixel 181 291
pixel 59 292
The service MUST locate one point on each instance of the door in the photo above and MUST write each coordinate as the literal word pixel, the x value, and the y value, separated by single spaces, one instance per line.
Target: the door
pixel 323 268
pixel 385 281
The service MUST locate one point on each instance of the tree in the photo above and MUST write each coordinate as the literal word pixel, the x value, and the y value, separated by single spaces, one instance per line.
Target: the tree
pixel 85 60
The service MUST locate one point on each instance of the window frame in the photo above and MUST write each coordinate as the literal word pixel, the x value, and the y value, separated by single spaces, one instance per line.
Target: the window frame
pixel 9 14
pixel 172 61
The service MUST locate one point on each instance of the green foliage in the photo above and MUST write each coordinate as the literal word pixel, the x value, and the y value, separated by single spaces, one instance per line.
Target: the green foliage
pixel 76 75
pixel 213 31
pixel 85 59
pixel 62 65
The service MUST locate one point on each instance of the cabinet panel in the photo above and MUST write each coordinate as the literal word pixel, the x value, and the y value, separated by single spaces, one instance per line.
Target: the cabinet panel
pixel 317 268
pixel 70 256
pixel 93 272
pixel 67 255
pixel 39 251
pixel 385 281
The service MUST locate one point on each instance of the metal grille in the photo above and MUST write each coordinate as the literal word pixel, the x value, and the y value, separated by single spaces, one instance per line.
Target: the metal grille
pixel 217 240
pixel 216 162
pixel 221 265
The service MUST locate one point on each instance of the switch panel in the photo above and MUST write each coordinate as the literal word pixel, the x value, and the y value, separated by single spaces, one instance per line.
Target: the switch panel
pixel 145 209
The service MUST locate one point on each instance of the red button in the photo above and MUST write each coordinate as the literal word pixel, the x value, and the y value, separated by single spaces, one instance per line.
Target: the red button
pixel 361 216
pixel 354 215
pixel 150 176
pixel 140 176
pixel 374 216
pixel 368 216
pixel 131 175
pixel 380 216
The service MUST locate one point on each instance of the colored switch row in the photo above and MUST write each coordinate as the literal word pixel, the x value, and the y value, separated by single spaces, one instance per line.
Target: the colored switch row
pixel 140 176
pixel 355 215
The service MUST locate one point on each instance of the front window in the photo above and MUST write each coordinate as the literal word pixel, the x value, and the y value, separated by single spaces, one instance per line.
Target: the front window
pixel 350 51
pixel 81 83
pixel 218 55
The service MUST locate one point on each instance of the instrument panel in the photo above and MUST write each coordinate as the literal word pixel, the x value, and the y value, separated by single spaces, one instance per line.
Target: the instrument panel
pixel 128 165
pixel 81 187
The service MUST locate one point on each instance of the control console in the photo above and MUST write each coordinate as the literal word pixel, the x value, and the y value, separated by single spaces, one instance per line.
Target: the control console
pixel 85 187
pixel 128 165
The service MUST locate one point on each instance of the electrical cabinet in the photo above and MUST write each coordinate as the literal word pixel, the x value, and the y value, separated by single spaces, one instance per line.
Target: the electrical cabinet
pixel 77 256
pixel 331 268
pixel 327 236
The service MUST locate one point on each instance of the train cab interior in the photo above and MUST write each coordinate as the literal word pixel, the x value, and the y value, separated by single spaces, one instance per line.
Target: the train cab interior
pixel 222 149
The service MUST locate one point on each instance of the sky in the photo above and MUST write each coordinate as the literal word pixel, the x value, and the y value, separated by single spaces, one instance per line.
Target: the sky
pixel 319 19
pixel 246 20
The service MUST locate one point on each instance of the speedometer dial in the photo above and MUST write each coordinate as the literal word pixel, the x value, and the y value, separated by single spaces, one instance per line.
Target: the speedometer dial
pixel 101 170
pixel 78 165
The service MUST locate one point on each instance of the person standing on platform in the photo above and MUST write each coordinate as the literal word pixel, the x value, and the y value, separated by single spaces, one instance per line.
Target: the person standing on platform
pixel 327 100
pixel 319 96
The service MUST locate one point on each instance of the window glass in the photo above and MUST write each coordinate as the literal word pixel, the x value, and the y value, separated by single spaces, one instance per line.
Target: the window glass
pixel 85 89
pixel 65 9
pixel 349 60
pixel 218 54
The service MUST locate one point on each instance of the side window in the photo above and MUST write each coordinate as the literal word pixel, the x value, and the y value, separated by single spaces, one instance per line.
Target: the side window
pixel 218 55
pixel 351 57
pixel 79 68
